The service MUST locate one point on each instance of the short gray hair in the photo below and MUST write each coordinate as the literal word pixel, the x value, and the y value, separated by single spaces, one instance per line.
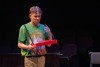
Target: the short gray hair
pixel 35 9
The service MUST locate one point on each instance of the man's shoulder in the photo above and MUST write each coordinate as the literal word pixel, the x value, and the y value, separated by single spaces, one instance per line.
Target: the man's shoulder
pixel 41 24
pixel 26 24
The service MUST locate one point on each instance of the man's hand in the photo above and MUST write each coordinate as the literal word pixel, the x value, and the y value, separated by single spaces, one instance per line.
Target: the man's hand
pixel 31 46
pixel 47 29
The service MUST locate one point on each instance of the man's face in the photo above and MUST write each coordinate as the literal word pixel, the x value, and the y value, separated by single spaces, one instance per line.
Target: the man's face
pixel 35 18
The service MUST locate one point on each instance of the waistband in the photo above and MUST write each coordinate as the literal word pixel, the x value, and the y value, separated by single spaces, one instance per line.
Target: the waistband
pixel 35 56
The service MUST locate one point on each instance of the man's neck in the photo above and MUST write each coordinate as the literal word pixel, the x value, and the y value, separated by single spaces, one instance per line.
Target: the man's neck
pixel 33 24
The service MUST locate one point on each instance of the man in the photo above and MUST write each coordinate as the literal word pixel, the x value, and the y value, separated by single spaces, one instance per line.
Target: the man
pixel 31 33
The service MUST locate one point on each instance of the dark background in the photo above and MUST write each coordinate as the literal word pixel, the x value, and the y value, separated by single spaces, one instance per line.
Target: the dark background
pixel 66 20
pixel 70 22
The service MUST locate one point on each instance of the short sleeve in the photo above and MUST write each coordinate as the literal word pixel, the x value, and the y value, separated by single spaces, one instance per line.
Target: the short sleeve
pixel 22 36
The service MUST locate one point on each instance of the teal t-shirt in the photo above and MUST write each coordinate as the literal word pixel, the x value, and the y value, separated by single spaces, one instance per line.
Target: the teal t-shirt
pixel 36 33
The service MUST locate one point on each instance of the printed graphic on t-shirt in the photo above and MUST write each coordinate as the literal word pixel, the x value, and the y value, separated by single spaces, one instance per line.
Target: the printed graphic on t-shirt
pixel 37 37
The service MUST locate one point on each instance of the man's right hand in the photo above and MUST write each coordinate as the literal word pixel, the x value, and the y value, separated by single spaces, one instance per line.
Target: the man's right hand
pixel 31 47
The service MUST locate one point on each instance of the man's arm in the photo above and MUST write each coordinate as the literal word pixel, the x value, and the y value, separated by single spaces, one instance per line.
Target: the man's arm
pixel 47 29
pixel 23 46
